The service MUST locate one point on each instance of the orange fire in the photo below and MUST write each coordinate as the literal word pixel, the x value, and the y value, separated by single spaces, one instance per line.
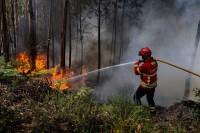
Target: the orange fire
pixel 24 62
pixel 40 62
pixel 24 65
pixel 59 78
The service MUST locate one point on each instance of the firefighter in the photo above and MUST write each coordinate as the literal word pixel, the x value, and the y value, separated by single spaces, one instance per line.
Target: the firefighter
pixel 147 69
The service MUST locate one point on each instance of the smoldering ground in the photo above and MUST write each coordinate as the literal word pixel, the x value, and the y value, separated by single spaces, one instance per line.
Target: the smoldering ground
pixel 169 29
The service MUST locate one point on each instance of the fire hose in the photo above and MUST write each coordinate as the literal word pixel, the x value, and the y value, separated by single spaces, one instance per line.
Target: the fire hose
pixel 178 67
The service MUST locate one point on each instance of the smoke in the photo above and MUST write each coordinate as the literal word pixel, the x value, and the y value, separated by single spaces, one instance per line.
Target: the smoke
pixel 169 28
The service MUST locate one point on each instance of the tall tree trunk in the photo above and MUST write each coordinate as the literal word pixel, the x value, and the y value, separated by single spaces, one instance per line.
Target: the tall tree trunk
pixel 114 36
pixel 14 26
pixel 77 29
pixel 81 36
pixel 26 30
pixel 52 34
pixel 122 31
pixel 0 13
pixel 53 47
pixel 70 36
pixel 48 46
pixel 6 44
pixel 16 22
pixel 63 43
pixel 1 36
pixel 49 34
pixel 32 37
pixel 99 38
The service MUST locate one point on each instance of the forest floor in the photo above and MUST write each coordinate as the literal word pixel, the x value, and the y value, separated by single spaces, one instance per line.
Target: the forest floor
pixel 32 106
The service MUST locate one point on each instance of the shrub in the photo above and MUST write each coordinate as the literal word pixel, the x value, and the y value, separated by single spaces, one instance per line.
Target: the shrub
pixel 8 73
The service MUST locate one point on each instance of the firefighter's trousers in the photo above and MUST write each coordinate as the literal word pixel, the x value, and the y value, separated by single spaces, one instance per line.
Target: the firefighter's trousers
pixel 149 92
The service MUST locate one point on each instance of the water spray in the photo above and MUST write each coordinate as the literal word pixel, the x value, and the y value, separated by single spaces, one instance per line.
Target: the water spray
pixel 102 69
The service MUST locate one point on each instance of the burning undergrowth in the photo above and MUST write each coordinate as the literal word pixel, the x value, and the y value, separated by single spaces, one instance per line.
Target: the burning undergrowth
pixel 57 77
pixel 23 63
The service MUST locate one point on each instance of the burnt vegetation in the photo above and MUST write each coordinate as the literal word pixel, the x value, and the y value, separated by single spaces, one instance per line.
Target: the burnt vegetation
pixel 44 43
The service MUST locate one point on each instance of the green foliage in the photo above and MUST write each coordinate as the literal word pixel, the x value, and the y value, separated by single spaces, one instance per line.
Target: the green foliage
pixel 73 108
pixel 122 107
pixel 129 116
pixel 196 108
pixel 197 93
pixel 9 74
pixel 83 92
pixel 180 129
pixel 7 70
pixel 78 112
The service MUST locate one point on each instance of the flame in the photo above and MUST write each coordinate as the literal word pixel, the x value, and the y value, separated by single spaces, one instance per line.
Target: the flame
pixel 59 78
pixel 24 65
pixel 40 62
pixel 24 62
pixel 64 86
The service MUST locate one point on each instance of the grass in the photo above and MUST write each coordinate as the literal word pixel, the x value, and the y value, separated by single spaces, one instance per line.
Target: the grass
pixel 78 112
pixel 83 114
pixel 196 107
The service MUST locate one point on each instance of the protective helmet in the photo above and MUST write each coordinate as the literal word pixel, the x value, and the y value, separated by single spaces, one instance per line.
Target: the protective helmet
pixel 145 52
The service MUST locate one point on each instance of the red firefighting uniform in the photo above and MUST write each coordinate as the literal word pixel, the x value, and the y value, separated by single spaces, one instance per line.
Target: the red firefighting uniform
pixel 148 74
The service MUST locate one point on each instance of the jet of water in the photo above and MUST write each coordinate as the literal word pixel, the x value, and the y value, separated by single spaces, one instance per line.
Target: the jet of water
pixel 102 69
